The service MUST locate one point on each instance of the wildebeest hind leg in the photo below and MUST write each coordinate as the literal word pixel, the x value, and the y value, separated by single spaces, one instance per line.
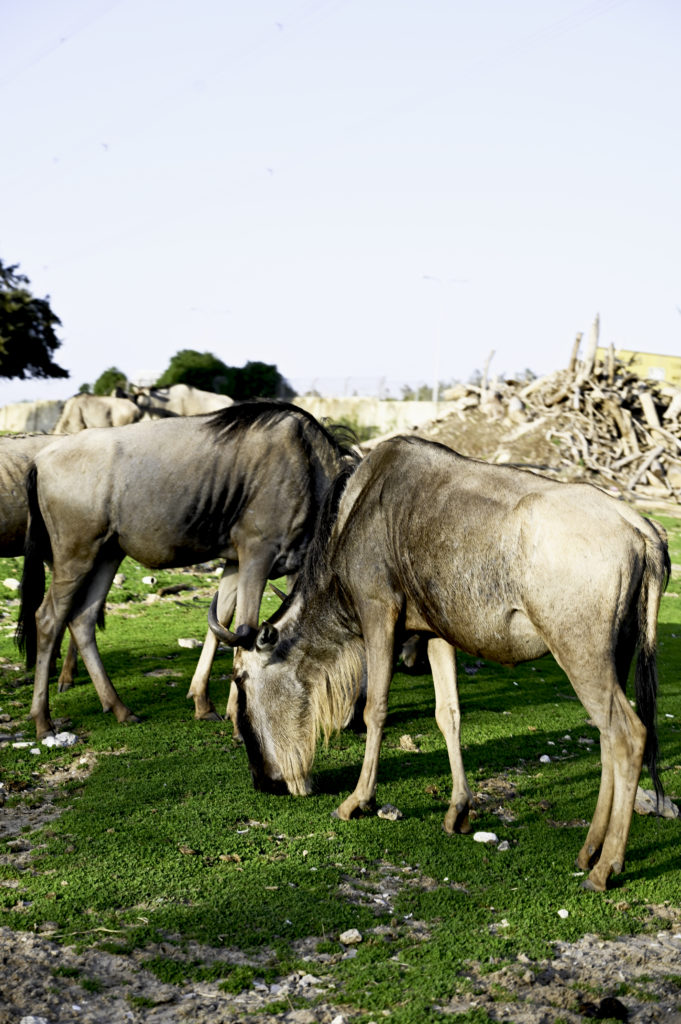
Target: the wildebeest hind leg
pixel 204 708
pixel 83 623
pixel 442 658
pixel 622 744
pixel 378 639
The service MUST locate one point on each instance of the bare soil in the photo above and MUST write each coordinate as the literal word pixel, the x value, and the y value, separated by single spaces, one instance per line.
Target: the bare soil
pixel 631 978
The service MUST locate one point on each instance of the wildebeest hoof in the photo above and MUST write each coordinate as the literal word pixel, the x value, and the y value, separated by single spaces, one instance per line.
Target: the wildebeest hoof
pixel 591 886
pixel 130 719
pixel 64 685
pixel 456 820
pixel 209 716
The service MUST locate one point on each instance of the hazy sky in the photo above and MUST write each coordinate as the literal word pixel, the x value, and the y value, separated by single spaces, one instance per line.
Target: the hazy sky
pixel 346 188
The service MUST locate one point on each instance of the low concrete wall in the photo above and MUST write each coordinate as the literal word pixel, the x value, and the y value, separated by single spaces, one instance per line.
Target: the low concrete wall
pixel 31 417
pixel 372 412
pixel 27 417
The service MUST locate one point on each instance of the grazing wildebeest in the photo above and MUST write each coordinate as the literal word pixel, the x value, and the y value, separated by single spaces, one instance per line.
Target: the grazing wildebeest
pixel 178 400
pixel 496 561
pixel 16 455
pixel 244 484
pixel 82 412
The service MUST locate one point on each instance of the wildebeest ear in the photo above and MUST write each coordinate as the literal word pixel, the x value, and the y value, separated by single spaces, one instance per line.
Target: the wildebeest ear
pixel 267 637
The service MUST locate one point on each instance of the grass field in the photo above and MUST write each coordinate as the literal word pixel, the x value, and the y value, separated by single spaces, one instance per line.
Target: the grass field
pixel 165 837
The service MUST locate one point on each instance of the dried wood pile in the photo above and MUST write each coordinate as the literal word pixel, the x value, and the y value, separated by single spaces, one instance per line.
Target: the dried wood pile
pixel 605 422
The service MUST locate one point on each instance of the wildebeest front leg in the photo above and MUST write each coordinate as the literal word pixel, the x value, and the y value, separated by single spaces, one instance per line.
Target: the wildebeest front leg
pixel 378 639
pixel 255 562
pixel 68 667
pixel 442 658
pixel 204 708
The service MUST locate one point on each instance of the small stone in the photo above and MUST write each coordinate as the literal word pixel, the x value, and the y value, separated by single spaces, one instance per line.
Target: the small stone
pixel 12 584
pixel 646 803
pixel 503 847
pixel 545 759
pixel 119 579
pixel 150 581
pixel 407 743
pixel 485 837
pixel 350 937
pixel 190 642
pixel 61 739
pixel 390 813
pixel 563 913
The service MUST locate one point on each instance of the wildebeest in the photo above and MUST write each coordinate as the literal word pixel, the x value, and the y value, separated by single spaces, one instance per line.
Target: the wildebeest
pixel 82 412
pixel 178 400
pixel 16 455
pixel 244 484
pixel 496 561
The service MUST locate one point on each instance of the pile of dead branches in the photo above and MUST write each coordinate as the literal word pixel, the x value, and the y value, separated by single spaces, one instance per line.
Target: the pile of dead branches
pixel 609 421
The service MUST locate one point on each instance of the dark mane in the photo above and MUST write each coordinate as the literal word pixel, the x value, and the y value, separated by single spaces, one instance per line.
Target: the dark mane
pixel 316 554
pixel 238 418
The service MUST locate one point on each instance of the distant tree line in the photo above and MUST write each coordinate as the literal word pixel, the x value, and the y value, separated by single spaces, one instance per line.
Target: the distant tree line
pixel 205 371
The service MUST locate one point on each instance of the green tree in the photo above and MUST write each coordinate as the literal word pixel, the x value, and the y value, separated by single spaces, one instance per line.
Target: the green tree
pixel 257 380
pixel 27 337
pixel 110 380
pixel 200 369
pixel 204 370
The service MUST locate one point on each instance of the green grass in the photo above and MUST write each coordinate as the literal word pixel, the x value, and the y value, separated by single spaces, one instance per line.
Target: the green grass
pixel 167 840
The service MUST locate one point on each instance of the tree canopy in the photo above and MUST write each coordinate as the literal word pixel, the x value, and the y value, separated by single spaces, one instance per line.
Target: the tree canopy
pixel 109 380
pixel 27 336
pixel 204 370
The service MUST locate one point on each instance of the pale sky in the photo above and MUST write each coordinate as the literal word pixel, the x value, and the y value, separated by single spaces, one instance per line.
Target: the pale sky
pixel 351 189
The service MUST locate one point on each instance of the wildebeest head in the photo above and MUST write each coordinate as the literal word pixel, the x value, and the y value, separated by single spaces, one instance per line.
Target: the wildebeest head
pixel 275 715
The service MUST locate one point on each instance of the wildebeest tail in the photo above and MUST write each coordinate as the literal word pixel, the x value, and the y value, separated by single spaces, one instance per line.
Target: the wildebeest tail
pixel 655 578
pixel 37 550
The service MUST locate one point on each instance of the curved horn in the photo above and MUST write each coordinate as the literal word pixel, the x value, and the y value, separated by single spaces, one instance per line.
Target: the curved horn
pixel 223 634
pixel 280 593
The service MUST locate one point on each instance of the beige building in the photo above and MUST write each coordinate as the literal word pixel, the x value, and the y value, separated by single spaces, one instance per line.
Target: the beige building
pixel 647 365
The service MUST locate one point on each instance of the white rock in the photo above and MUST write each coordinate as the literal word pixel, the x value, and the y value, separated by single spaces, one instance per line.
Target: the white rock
pixel 33 1020
pixel 390 813
pixel 646 803
pixel 351 937
pixel 545 759
pixel 12 584
pixel 563 913
pixel 150 581
pixel 190 642
pixel 62 739
pixel 119 579
pixel 485 837
pixel 35 750
pixel 22 745
pixel 503 847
